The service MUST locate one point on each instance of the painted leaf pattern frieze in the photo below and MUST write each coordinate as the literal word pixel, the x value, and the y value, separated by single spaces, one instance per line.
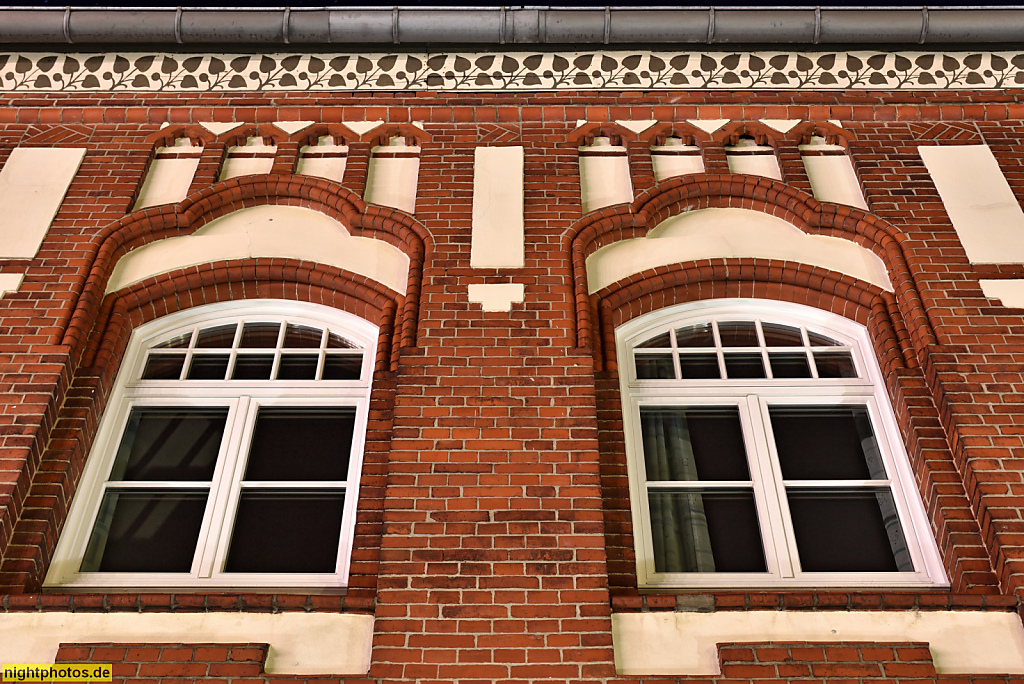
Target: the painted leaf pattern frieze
pixel 145 72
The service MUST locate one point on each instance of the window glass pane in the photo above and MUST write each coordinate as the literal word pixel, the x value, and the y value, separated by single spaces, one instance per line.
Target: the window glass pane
pixel 826 443
pixel 297 367
pixel 706 532
pixel 818 340
pixel 693 444
pixel 163 367
pixel 695 336
pixel 848 532
pixel 335 341
pixel 776 335
pixel 789 365
pixel 253 367
pixel 744 366
pixel 170 444
pixel 699 366
pixel 176 342
pixel 145 531
pixel 738 334
pixel 345 367
pixel 286 531
pixel 661 341
pixel 302 337
pixel 219 337
pixel 208 367
pixel 259 335
pixel 834 365
pixel 301 444
pixel 654 367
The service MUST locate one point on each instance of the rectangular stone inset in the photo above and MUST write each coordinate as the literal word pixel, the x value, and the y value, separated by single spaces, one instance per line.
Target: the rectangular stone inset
pixel 833 179
pixel 33 183
pixel 981 206
pixel 498 228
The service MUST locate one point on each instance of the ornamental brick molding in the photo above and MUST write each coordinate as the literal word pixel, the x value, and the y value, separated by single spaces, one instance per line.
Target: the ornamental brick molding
pixel 519 71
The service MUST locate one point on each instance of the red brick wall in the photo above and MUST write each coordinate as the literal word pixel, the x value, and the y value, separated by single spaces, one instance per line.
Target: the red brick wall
pixel 494 534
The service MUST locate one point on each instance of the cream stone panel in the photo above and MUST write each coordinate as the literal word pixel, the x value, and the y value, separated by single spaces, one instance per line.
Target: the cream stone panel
pixel 833 179
pixel 220 127
pixel 300 643
pixel 391 181
pixel 331 168
pixel 708 125
pixel 781 125
pixel 361 127
pixel 498 228
pixel 33 183
pixel 961 642
pixel 637 126
pixel 235 166
pixel 1009 292
pixel 10 282
pixel 766 165
pixel 725 233
pixel 267 231
pixel 668 165
pixel 497 296
pixel 984 212
pixel 167 181
pixel 293 127
pixel 604 180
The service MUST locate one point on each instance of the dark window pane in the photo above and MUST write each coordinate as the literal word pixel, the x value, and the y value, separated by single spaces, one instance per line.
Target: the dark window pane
pixel 693 444
pixel 695 336
pixel 208 367
pixel 776 335
pixel 818 340
pixel 699 366
pixel 259 335
pixel 335 341
pixel 738 334
pixel 832 443
pixel 789 365
pixel 302 337
pixel 176 342
pixel 654 367
pixel 834 365
pixel 297 367
pixel 848 532
pixel 345 367
pixel 706 532
pixel 219 337
pixel 145 531
pixel 281 531
pixel 170 444
pixel 253 367
pixel 163 367
pixel 661 341
pixel 744 366
pixel 301 444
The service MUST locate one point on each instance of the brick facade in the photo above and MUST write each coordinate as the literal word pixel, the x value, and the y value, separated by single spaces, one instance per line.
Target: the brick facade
pixel 494 538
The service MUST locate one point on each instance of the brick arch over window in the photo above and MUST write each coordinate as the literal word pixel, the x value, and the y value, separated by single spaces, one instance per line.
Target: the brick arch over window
pixel 57 478
pixel 183 219
pixel 966 562
pixel 678 195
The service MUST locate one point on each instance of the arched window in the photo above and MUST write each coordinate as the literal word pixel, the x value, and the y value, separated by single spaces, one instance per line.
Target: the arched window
pixel 763 451
pixel 229 454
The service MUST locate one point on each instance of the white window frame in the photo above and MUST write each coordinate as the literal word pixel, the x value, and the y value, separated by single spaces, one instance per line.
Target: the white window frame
pixel 242 398
pixel 753 398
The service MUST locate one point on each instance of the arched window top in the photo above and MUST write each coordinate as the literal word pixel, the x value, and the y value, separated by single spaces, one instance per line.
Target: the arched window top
pixel 737 346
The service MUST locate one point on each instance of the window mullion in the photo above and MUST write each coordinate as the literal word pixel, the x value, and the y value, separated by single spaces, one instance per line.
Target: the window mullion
pixel 224 487
pixel 778 537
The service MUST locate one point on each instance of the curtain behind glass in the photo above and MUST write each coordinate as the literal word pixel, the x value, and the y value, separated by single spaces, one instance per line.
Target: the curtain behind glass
pixel 682 542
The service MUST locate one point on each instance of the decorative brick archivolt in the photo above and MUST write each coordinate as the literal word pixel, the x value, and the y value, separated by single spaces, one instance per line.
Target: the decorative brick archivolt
pixel 688 193
pixel 165 221
pixel 492 71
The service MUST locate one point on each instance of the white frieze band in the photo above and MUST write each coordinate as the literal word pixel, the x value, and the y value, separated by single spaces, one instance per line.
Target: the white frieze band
pixel 616 70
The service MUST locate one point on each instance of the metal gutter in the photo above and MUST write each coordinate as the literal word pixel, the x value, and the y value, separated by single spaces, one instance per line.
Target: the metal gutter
pixel 248 28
